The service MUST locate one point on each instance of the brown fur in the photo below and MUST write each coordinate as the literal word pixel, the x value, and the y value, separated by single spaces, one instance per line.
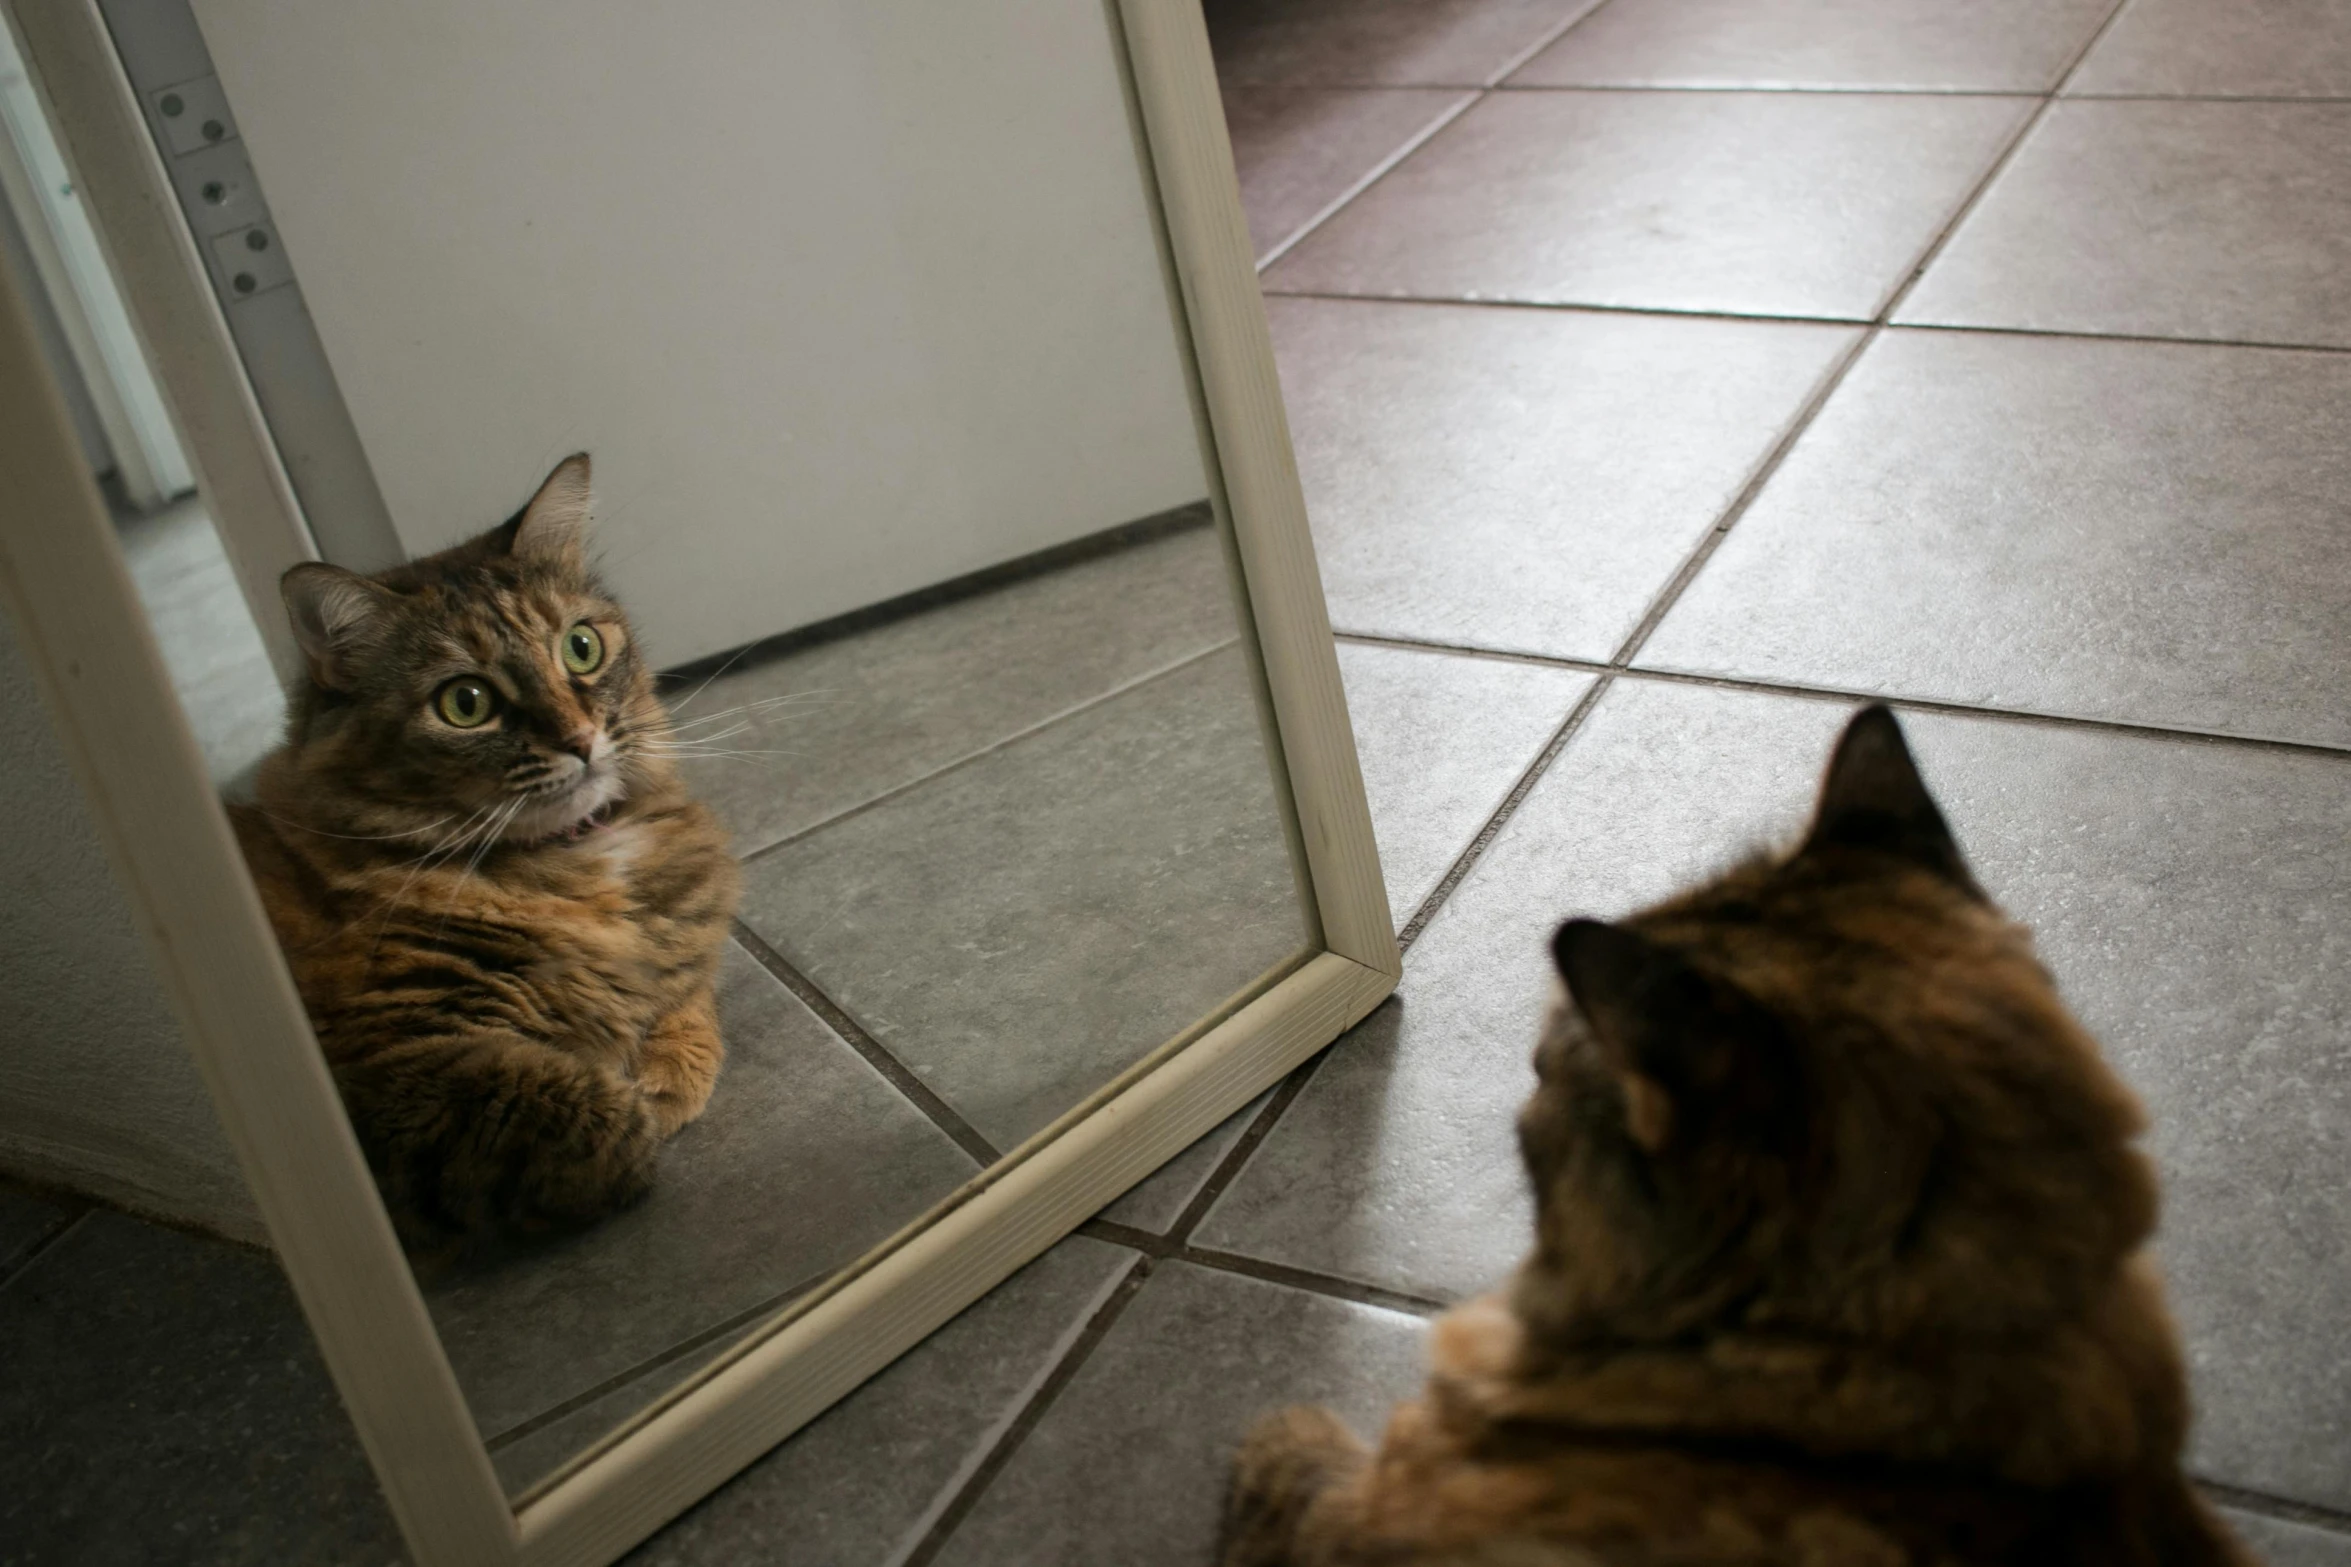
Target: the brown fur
pixel 1837 1257
pixel 507 949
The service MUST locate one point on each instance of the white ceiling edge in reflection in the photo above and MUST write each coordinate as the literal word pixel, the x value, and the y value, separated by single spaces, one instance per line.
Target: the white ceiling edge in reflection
pixel 845 299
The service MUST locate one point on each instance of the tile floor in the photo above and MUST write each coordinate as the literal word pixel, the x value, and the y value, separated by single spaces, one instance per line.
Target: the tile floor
pixel 2042 438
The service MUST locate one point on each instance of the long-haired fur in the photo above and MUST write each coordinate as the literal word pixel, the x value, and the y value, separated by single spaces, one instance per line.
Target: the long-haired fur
pixel 1837 1260
pixel 503 911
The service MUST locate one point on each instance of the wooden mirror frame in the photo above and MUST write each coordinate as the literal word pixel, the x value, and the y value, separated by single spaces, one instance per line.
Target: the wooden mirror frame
pixel 86 636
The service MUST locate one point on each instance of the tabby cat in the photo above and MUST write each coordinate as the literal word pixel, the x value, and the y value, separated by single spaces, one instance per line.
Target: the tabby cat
pixel 502 909
pixel 1837 1256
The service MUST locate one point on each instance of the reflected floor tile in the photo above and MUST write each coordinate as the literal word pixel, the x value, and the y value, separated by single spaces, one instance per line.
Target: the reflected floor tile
pixel 837 724
pixel 1443 737
pixel 2231 48
pixel 1114 877
pixel 804 1159
pixel 2283 1544
pixel 2214 220
pixel 1984 46
pixel 1519 480
pixel 2193 899
pixel 163 1402
pixel 1754 203
pixel 861 1485
pixel 1298 149
pixel 2150 532
pixel 1379 43
pixel 1129 1464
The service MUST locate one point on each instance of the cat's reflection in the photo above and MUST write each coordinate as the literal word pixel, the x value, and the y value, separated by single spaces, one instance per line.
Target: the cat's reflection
pixel 502 908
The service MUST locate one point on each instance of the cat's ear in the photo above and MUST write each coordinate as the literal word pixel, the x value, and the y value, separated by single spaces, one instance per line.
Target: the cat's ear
pixel 1679 1038
pixel 553 528
pixel 338 617
pixel 1873 798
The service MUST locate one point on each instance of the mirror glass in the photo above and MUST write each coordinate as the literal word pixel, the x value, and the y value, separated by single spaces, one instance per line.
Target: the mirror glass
pixel 891 592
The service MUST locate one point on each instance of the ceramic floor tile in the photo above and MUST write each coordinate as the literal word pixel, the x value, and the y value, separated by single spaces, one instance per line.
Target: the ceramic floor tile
pixel 1443 738
pixel 805 1158
pixel 860 1485
pixel 1798 204
pixel 1160 1198
pixel 1520 480
pixel 836 724
pixel 1379 43
pixel 1298 149
pixel 26 1220
pixel 163 1403
pixel 1129 1464
pixel 1117 876
pixel 2150 532
pixel 2283 1544
pixel 2001 46
pixel 2228 221
pixel 2230 48
pixel 2193 899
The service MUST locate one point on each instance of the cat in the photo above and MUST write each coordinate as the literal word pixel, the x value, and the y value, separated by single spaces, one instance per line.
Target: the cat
pixel 1837 1256
pixel 503 911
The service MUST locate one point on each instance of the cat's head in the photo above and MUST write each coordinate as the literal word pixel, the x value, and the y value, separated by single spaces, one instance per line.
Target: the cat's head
pixel 1832 1091
pixel 492 691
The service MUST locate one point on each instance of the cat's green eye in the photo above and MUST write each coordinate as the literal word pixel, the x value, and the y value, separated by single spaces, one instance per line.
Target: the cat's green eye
pixel 583 649
pixel 466 704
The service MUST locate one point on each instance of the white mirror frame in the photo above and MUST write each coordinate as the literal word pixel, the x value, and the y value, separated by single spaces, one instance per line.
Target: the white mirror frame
pixel 85 633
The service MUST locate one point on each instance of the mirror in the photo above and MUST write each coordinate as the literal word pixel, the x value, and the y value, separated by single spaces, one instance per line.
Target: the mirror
pixel 894 587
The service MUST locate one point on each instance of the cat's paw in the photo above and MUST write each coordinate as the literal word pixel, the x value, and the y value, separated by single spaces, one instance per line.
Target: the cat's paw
pixel 1288 1459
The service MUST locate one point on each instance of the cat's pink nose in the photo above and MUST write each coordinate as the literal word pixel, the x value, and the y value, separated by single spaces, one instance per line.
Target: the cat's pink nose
pixel 582 744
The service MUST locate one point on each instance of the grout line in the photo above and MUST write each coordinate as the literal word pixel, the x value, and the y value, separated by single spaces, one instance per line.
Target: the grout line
pixel 1466 861
pixel 1306 1279
pixel 1310 1280
pixel 2264 344
pixel 1761 90
pixel 2205 97
pixel 1693 313
pixel 42 1245
pixel 1228 1169
pixel 1669 595
pixel 1676 585
pixel 1569 307
pixel 990 749
pixel 1420 138
pixel 1378 171
pixel 1922 704
pixel 1032 1413
pixel 2284 1508
pixel 1519 61
pixel 876 1054
pixel 645 1368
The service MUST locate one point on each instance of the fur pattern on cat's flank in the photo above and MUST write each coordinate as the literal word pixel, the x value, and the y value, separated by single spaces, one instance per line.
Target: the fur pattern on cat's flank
pixel 1838 1257
pixel 503 911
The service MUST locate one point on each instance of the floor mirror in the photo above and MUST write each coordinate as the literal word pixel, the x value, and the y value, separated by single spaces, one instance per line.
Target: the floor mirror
pixel 849 428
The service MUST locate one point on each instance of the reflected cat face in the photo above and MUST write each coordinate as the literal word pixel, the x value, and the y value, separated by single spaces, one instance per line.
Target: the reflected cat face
pixel 1831 1091
pixel 492 690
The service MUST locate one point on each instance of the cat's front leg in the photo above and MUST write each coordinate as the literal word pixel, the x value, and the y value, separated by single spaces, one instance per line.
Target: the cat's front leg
pixel 680 1062
pixel 1288 1460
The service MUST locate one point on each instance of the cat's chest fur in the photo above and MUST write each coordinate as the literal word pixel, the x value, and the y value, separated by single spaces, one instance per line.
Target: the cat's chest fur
pixel 629 919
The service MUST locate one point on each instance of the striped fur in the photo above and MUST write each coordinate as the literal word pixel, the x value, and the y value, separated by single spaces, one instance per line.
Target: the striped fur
pixel 506 935
pixel 1838 1257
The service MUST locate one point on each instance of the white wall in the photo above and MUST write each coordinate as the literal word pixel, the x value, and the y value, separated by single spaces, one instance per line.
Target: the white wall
pixel 97 1091
pixel 845 296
